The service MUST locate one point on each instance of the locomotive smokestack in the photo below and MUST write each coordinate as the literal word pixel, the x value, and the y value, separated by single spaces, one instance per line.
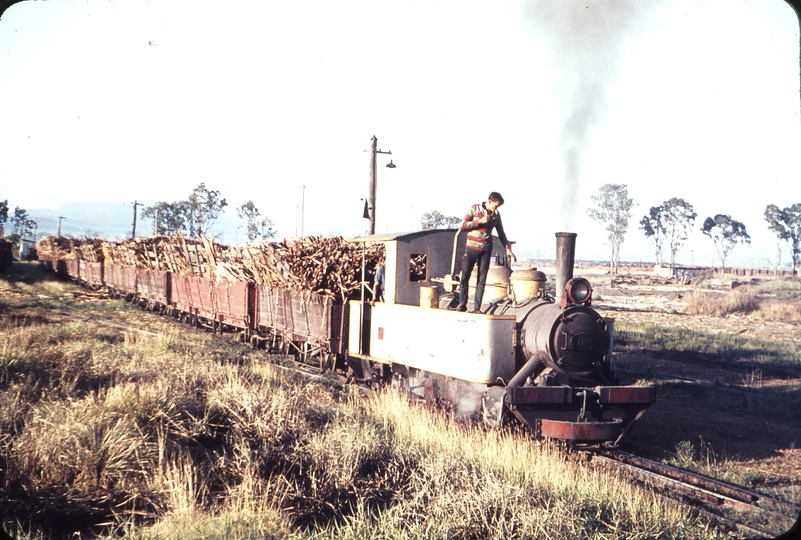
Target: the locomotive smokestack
pixel 565 257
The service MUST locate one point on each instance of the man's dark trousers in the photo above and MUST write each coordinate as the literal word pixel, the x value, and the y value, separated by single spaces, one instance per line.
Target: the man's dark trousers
pixel 469 260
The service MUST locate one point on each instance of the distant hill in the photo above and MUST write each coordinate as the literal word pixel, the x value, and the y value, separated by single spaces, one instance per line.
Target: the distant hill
pixel 114 221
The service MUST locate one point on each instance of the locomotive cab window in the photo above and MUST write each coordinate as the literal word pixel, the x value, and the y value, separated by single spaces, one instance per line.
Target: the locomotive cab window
pixel 418 267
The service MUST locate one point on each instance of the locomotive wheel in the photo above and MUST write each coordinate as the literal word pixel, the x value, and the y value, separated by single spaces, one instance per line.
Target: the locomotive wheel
pixel 400 383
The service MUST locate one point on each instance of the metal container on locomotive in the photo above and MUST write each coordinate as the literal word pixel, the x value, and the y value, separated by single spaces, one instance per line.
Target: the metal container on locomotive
pixel 545 360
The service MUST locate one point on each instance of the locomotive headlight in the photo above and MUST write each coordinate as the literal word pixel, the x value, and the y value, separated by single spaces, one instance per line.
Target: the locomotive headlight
pixel 578 291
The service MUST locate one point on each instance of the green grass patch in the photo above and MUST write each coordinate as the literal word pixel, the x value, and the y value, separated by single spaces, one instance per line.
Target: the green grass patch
pixel 722 346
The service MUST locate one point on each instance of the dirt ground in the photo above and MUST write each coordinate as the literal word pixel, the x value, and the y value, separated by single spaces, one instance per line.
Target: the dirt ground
pixel 729 417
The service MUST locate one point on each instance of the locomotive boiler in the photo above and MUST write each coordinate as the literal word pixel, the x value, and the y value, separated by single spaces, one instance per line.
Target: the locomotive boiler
pixel 546 360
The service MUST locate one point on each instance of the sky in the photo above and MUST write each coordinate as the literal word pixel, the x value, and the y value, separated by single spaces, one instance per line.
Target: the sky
pixel 542 101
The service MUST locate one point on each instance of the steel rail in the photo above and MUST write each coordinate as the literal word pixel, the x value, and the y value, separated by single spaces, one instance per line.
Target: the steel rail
pixel 700 490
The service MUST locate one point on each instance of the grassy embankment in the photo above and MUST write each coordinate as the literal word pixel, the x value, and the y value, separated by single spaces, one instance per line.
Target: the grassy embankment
pixel 173 433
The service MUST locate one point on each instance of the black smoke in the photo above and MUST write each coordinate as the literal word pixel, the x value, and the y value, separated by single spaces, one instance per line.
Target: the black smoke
pixel 586 41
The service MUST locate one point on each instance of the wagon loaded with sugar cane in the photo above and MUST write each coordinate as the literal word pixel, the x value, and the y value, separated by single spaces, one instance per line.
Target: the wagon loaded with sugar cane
pixel 289 296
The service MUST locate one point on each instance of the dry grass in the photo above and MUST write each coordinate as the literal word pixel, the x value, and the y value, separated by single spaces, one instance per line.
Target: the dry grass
pixel 114 432
pixel 773 310
pixel 721 305
pixel 775 300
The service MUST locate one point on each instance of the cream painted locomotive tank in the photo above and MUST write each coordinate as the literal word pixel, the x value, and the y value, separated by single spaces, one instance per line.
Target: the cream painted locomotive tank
pixel 497 285
pixel 527 283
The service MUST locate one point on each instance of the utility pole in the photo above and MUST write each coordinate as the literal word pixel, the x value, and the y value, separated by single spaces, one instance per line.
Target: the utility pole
pixel 59 225
pixel 371 188
pixel 133 230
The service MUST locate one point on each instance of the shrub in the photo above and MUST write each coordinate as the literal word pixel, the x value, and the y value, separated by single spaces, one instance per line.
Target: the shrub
pixel 720 305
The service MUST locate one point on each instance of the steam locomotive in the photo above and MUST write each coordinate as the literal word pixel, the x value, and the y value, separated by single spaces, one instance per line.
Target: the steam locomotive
pixel 545 360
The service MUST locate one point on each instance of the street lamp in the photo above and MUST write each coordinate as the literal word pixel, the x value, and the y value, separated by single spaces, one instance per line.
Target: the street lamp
pixel 370 204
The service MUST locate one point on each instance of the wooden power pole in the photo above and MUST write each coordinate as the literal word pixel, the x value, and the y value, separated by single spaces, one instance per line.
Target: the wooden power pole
pixel 133 230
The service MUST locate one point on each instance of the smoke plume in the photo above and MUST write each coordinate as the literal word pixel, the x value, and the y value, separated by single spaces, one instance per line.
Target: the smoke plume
pixel 586 41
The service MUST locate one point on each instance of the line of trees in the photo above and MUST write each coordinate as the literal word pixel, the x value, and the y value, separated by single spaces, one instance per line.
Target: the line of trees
pixel 198 213
pixel 670 223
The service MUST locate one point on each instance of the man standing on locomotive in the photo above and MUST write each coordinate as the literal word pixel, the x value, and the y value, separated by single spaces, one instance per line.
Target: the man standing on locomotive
pixel 479 222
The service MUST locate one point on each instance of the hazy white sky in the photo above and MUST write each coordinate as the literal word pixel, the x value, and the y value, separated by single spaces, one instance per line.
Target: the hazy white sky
pixel 544 101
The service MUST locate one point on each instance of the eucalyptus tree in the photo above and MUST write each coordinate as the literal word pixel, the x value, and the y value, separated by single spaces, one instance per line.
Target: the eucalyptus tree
pixel 169 218
pixel 21 222
pixel 725 233
pixel 654 230
pixel 203 208
pixel 195 215
pixel 786 224
pixel 669 222
pixel 614 211
pixel 256 226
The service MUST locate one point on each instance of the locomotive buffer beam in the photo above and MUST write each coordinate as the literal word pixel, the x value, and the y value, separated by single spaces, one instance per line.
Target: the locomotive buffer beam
pixel 581 415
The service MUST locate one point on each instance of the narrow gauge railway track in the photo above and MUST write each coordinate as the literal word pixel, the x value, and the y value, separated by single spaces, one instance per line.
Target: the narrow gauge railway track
pixel 719 386
pixel 708 495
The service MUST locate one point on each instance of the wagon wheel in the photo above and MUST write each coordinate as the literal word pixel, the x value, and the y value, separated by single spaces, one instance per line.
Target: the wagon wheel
pixel 350 376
